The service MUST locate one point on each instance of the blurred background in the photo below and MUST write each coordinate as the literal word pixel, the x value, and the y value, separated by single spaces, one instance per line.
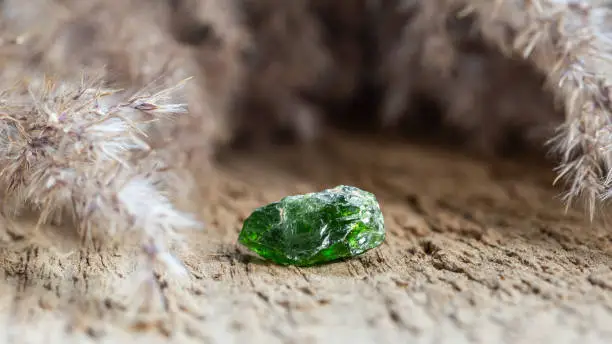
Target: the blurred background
pixel 406 99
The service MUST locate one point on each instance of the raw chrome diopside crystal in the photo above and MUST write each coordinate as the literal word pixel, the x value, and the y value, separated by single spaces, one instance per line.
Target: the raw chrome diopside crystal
pixel 316 227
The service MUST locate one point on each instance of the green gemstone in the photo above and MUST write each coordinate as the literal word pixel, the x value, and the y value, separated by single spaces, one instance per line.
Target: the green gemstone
pixel 315 228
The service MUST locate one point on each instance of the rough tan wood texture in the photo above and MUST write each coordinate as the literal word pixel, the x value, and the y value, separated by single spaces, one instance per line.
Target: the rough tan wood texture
pixel 476 252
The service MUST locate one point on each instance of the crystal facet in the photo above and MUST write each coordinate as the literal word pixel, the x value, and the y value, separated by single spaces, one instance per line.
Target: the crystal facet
pixel 315 228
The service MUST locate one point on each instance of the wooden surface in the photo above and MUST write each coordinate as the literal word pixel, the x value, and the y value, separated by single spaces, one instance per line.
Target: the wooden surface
pixel 475 252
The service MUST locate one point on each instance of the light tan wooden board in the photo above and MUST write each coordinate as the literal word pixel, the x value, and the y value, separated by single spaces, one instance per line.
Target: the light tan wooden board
pixel 475 252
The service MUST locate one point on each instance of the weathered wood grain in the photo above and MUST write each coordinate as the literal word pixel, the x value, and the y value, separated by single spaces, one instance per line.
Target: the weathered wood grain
pixel 476 252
